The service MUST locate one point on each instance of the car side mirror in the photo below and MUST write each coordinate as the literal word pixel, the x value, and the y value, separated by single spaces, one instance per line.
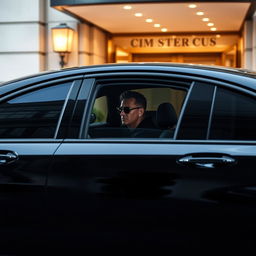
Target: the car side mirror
pixel 92 118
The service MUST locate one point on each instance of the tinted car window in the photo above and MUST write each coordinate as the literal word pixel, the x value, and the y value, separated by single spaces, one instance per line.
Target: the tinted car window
pixel 195 121
pixel 234 116
pixel 34 114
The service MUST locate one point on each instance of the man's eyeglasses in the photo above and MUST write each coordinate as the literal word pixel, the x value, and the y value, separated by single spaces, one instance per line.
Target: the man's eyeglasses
pixel 126 110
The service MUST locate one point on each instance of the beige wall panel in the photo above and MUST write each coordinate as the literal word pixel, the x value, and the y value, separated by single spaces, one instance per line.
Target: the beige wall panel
pixel 20 37
pixel 99 43
pixel 21 10
pixel 254 42
pixel 247 45
pixel 84 38
pixel 84 59
pixel 52 62
pixel 42 38
pixel 17 65
pixel 98 60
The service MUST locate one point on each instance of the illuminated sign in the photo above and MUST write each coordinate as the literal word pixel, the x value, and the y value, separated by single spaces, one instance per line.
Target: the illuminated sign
pixel 173 42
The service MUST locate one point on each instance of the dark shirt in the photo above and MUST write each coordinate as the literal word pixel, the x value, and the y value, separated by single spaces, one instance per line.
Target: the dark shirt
pixel 147 123
pixel 146 129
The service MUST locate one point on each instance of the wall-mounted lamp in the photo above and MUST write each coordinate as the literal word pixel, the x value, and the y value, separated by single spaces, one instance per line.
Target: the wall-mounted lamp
pixel 62 38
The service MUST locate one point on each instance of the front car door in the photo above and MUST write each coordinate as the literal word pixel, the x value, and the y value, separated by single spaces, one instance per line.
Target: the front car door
pixel 31 119
pixel 157 193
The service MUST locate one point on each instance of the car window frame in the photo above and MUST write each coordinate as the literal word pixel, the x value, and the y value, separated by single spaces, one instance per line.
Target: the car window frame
pixel 66 107
pixel 192 78
pixel 185 80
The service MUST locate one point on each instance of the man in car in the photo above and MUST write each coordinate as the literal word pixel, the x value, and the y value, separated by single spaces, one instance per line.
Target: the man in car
pixel 132 111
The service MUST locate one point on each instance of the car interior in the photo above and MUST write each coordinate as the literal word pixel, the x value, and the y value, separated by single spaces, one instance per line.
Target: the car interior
pixel 164 103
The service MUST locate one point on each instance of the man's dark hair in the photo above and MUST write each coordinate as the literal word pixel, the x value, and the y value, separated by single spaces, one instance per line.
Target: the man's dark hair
pixel 139 98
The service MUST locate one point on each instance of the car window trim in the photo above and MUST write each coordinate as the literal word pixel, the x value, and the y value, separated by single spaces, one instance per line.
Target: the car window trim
pixel 183 110
pixel 81 104
pixel 211 113
pixel 36 86
pixel 30 140
pixel 159 141
pixel 68 110
pixel 63 109
pixel 179 76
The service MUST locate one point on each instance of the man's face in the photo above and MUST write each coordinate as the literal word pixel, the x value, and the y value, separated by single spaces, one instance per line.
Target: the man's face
pixel 134 117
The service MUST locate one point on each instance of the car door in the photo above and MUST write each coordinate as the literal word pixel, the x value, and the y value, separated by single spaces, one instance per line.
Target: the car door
pixel 156 193
pixel 30 122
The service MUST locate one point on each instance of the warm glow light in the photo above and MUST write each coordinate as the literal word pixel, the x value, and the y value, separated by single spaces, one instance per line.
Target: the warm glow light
pixel 200 13
pixel 62 37
pixel 138 14
pixel 205 19
pixel 210 24
pixel 213 29
pixel 149 20
pixel 119 52
pixel 127 7
pixel 192 6
pixel 218 36
pixel 157 25
pixel 164 29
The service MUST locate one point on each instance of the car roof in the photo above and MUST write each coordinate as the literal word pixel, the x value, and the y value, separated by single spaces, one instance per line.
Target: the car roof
pixel 148 65
pixel 243 77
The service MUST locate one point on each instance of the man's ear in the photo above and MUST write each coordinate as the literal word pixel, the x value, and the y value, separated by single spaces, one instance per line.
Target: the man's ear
pixel 141 112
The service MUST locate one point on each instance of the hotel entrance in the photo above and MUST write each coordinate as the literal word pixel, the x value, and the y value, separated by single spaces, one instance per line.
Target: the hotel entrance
pixel 212 32
pixel 222 50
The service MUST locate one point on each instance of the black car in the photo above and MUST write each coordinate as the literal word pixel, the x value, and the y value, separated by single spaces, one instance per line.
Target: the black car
pixel 72 177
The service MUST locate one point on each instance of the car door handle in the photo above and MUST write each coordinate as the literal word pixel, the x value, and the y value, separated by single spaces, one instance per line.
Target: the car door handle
pixel 206 161
pixel 7 157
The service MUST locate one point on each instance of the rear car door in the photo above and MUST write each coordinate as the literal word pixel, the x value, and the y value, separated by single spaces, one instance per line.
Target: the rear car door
pixel 32 120
pixel 154 193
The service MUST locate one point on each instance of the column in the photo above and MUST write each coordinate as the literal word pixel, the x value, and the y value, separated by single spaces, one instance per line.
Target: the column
pixel 247 35
pixel 22 30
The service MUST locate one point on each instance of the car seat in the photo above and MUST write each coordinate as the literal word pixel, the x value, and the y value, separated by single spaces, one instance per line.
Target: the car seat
pixel 166 118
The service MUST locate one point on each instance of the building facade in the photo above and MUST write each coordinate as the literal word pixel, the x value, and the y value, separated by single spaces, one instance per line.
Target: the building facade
pixel 26 43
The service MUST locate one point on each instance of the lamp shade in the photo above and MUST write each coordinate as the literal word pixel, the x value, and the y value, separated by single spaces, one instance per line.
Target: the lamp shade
pixel 62 37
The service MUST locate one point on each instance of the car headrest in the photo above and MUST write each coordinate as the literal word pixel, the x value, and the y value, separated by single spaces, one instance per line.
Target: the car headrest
pixel 166 116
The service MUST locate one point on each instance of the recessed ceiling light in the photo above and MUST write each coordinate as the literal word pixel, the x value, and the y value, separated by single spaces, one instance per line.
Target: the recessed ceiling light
pixel 164 29
pixel 192 6
pixel 138 14
pixel 200 13
pixel 157 25
pixel 213 29
pixel 210 24
pixel 127 7
pixel 205 19
pixel 149 20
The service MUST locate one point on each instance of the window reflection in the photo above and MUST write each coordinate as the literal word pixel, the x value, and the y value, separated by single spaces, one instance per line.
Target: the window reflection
pixel 33 115
pixel 234 116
